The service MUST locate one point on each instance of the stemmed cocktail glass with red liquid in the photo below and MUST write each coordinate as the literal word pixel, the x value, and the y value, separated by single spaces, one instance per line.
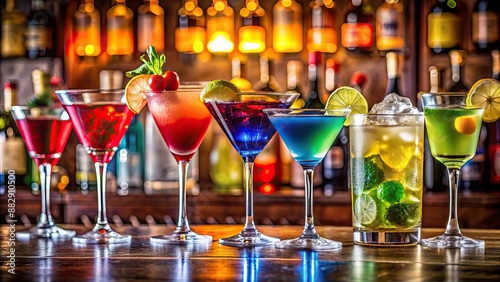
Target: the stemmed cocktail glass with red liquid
pixel 183 121
pixel 100 119
pixel 45 131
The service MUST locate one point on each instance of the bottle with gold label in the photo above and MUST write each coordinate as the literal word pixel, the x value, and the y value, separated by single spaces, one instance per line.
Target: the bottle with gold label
pixel 444 27
pixel 12 32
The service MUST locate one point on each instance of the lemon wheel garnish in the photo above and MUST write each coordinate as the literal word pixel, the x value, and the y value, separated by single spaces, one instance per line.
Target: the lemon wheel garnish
pixel 485 93
pixel 220 90
pixel 134 92
pixel 347 97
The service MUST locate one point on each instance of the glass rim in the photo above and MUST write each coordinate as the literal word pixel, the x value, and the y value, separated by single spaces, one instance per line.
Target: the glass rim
pixel 306 110
pixel 90 91
pixel 267 93
pixel 390 115
pixel 25 107
pixel 444 94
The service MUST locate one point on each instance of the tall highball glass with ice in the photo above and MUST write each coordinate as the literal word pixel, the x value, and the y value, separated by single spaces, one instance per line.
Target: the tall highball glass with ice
pixel 387 147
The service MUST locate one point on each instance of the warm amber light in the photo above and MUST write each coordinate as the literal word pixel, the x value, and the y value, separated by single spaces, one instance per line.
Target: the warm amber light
pixel 287 27
pixel 87 31
pixel 252 39
pixel 220 29
pixel 190 39
pixel 322 40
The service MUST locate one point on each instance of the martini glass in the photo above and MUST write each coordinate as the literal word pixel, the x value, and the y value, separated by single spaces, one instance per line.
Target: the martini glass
pixel 183 121
pixel 308 135
pixel 100 119
pixel 453 129
pixel 249 130
pixel 45 131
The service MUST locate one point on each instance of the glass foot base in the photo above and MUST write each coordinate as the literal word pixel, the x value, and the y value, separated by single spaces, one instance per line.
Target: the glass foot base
pixel 452 242
pixel 182 237
pixel 244 239
pixel 47 231
pixel 407 237
pixel 316 244
pixel 102 236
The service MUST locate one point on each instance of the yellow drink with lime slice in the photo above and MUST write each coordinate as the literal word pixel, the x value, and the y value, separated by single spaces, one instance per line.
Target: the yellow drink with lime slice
pixel 386 178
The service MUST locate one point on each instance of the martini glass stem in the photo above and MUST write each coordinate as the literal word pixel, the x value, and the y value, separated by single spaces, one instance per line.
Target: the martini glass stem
pixel 452 228
pixel 45 218
pixel 249 222
pixel 182 222
pixel 102 221
pixel 309 230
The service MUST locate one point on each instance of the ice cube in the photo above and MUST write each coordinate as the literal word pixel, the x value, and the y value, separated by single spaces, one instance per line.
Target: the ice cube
pixel 393 104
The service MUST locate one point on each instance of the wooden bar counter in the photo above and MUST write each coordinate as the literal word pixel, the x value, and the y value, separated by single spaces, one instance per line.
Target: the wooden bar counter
pixel 50 260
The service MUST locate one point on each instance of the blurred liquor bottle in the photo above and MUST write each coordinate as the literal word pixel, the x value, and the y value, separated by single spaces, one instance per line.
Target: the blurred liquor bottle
pixel 444 27
pixel 336 162
pixel 12 40
pixel 357 31
pixel 486 25
pixel 87 22
pixel 313 101
pixel 190 33
pixel 150 26
pixel 457 62
pixel 40 32
pixel 226 165
pixel 287 164
pixel 14 158
pixel 120 29
pixel 322 36
pixel 220 27
pixel 472 173
pixel 390 26
pixel 287 26
pixel 266 163
pixel 393 74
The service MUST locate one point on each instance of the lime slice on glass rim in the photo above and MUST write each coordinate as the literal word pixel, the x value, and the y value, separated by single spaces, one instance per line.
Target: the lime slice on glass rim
pixel 485 93
pixel 347 97
pixel 220 90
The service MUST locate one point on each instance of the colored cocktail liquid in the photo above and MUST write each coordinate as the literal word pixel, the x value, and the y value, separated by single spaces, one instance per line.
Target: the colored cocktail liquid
pixel 244 123
pixel 100 126
pixel 386 178
pixel 45 137
pixel 453 133
pixel 308 137
pixel 182 120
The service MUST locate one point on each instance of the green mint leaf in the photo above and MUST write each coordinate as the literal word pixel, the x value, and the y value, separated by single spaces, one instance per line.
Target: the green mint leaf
pixel 142 69
pixel 153 64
